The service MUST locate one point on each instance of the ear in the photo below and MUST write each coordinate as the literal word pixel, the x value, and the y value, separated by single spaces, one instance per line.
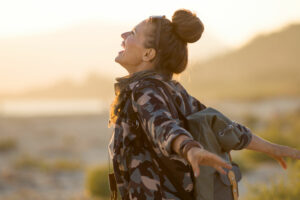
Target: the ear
pixel 149 54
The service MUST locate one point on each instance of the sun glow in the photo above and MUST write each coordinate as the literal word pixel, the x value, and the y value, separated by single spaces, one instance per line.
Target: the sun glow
pixel 232 20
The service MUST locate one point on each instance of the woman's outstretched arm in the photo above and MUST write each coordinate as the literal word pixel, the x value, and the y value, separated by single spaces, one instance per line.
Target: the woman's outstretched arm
pixel 276 151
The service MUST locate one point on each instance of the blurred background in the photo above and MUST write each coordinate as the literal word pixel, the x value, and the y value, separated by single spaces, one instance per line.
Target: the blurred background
pixel 57 72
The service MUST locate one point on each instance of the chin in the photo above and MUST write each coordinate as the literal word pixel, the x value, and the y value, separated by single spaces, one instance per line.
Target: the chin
pixel 117 59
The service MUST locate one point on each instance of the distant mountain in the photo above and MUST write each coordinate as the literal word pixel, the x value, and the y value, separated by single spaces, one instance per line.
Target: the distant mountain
pixel 207 47
pixel 94 86
pixel 36 60
pixel 267 66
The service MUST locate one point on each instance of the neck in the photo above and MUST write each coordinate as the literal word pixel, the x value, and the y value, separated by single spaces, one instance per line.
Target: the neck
pixel 141 67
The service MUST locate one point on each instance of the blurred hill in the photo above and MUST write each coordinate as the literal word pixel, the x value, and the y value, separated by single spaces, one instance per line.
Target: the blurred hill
pixel 267 66
pixel 93 86
pixel 39 60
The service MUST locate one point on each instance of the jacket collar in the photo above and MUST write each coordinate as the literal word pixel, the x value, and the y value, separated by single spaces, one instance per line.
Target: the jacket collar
pixel 126 83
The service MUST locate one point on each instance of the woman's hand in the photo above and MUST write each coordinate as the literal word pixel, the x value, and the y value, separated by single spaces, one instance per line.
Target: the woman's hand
pixel 197 156
pixel 276 151
pixel 284 151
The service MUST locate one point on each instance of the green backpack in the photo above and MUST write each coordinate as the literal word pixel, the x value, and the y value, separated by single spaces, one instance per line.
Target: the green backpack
pixel 218 134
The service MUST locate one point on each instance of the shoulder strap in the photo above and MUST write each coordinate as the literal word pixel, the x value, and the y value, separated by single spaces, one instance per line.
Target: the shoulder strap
pixel 170 97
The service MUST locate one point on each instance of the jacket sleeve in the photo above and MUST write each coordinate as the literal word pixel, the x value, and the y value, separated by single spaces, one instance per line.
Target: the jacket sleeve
pixel 196 105
pixel 245 138
pixel 161 128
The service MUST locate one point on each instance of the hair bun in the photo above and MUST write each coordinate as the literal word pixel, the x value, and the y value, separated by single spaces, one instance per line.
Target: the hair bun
pixel 187 25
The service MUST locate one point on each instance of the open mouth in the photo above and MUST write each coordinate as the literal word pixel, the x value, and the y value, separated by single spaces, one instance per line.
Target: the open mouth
pixel 122 45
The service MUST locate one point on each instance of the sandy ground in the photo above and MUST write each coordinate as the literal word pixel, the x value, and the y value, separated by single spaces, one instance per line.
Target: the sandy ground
pixel 82 139
pixel 79 139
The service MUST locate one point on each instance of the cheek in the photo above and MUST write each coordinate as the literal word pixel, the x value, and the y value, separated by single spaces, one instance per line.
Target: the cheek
pixel 132 44
pixel 133 50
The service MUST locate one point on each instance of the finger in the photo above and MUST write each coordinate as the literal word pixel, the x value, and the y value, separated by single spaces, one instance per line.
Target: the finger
pixel 221 162
pixel 196 169
pixel 227 165
pixel 220 169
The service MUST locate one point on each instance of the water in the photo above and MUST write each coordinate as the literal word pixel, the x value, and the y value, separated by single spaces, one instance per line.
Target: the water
pixel 52 107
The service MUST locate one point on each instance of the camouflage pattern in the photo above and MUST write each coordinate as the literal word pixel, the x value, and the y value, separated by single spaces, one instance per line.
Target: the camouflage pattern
pixel 138 171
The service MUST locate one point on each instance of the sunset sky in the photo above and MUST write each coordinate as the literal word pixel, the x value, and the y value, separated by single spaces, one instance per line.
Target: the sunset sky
pixel 232 22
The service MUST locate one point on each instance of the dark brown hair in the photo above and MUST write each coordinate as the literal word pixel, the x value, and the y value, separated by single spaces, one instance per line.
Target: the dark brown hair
pixel 172 52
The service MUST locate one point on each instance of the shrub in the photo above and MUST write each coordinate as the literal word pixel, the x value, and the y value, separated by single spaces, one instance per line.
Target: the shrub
pixel 7 144
pixel 26 161
pixel 281 189
pixel 65 165
pixel 97 181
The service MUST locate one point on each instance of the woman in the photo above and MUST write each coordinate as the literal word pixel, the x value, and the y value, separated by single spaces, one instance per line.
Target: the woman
pixel 156 158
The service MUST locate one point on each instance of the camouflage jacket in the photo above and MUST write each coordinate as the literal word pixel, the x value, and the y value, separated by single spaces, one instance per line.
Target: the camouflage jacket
pixel 138 156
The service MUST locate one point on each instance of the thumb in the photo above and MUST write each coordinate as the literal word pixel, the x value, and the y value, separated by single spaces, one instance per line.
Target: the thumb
pixel 196 169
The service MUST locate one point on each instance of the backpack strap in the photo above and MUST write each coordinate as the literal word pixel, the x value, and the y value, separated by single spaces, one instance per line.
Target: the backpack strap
pixel 173 104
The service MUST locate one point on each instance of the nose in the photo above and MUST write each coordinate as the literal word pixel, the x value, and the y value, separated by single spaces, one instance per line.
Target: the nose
pixel 124 35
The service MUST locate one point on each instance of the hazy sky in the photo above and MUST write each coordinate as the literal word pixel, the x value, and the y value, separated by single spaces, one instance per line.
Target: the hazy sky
pixel 232 22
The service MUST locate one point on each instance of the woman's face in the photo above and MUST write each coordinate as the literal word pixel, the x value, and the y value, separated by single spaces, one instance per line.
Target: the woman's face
pixel 134 53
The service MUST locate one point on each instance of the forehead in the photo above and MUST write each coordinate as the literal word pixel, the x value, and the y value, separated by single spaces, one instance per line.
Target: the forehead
pixel 144 27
